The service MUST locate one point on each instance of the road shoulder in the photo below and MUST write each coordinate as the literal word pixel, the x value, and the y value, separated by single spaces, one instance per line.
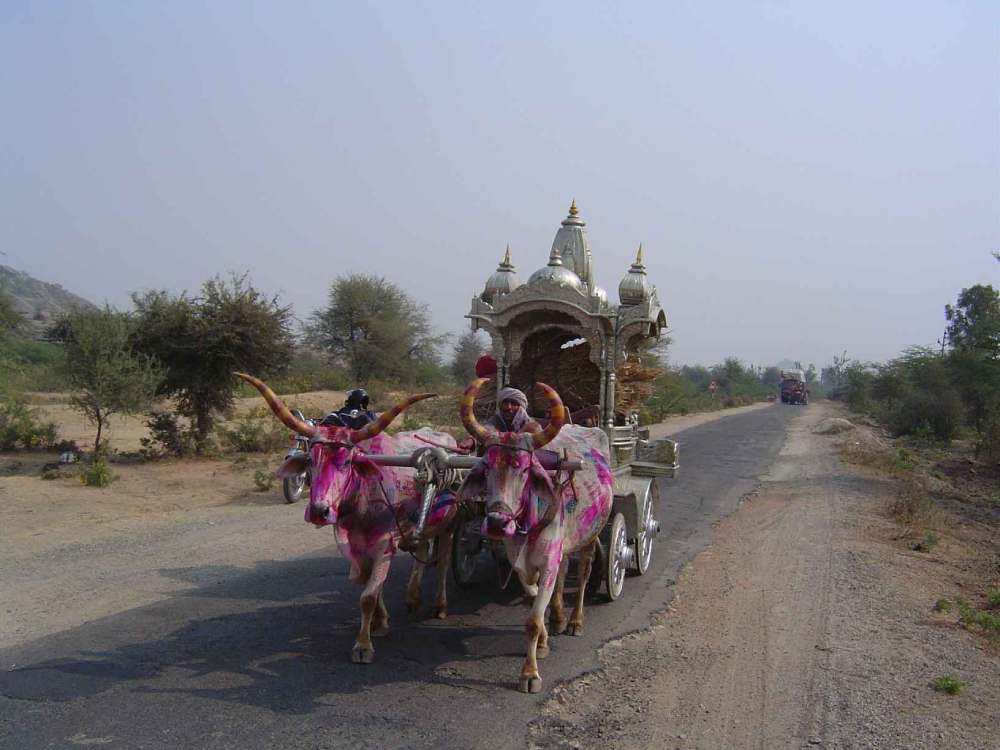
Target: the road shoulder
pixel 800 626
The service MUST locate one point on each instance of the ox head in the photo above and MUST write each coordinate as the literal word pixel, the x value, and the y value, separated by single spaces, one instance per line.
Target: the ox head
pixel 338 468
pixel 509 476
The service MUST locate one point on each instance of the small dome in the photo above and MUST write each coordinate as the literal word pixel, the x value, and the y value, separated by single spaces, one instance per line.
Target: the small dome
pixel 503 281
pixel 635 288
pixel 601 295
pixel 556 274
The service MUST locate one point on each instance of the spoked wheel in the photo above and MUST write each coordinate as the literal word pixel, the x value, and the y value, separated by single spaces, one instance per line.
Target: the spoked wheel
pixel 617 556
pixel 648 528
pixel 466 543
pixel 293 487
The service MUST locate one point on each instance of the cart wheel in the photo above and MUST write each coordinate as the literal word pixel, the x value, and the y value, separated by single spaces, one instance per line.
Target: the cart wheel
pixel 466 545
pixel 648 527
pixel 617 556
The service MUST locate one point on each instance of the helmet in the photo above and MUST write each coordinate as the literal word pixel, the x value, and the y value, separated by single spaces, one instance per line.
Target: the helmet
pixel 357 399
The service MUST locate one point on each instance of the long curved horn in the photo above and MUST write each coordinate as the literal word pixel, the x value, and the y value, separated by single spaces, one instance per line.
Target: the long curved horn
pixel 278 407
pixel 372 429
pixel 557 417
pixel 468 412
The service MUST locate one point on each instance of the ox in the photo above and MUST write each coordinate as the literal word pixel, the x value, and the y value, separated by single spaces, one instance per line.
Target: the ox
pixel 541 523
pixel 368 506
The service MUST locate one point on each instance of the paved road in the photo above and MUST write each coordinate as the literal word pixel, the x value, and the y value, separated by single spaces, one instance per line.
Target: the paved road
pixel 260 659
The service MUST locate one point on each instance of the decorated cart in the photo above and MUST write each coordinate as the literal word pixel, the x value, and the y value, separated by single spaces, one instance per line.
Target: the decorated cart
pixel 559 328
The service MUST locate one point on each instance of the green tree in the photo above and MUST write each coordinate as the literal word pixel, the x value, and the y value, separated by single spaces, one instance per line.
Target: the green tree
pixel 10 318
pixel 468 349
pixel 374 329
pixel 201 340
pixel 973 335
pixel 107 375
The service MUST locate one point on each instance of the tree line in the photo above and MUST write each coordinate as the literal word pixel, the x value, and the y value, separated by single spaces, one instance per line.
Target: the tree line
pixel 185 347
pixel 936 392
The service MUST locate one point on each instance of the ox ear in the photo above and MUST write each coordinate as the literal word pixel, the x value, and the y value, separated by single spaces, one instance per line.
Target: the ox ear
pixel 292 466
pixel 474 484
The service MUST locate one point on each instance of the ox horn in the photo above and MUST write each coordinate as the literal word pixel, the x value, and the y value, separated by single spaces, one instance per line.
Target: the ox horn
pixel 557 417
pixel 372 429
pixel 278 407
pixel 468 412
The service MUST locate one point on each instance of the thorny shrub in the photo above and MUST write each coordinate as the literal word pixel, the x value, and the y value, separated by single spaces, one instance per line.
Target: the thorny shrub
pixel 257 431
pixel 21 428
pixel 97 473
pixel 167 436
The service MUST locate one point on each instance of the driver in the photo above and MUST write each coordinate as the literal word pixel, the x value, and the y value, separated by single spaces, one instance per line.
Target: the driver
pixel 512 414
pixel 354 413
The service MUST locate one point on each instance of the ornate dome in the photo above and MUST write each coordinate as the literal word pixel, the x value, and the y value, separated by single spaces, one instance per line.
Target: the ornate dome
pixel 503 281
pixel 574 247
pixel 635 288
pixel 556 274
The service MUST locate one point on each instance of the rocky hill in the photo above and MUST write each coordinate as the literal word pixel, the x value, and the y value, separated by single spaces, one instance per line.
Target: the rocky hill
pixel 38 301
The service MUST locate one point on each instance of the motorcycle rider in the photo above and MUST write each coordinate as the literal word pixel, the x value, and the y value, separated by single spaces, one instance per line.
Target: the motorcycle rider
pixel 354 413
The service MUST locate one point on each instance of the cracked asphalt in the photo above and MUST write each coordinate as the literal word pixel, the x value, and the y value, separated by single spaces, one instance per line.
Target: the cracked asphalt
pixel 257 656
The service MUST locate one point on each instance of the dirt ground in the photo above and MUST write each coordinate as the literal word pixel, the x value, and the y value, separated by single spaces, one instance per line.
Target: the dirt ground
pixel 807 623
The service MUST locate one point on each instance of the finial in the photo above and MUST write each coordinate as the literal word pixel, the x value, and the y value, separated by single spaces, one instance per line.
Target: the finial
pixel 638 256
pixel 506 257
pixel 555 258
pixel 573 210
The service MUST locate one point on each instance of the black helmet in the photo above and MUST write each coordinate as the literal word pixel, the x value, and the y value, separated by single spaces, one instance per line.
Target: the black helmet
pixel 357 399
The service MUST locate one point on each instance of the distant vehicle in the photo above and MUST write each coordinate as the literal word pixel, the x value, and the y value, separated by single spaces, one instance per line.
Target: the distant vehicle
pixel 793 388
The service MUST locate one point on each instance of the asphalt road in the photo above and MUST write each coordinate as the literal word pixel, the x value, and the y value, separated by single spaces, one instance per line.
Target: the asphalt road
pixel 260 659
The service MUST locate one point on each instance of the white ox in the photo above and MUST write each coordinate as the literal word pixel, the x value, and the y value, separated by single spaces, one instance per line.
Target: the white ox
pixel 540 521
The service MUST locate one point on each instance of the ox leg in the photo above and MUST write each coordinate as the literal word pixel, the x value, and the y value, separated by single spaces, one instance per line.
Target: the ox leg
pixel 583 573
pixel 416 578
pixel 531 680
pixel 557 612
pixel 443 548
pixel 363 651
pixel 380 618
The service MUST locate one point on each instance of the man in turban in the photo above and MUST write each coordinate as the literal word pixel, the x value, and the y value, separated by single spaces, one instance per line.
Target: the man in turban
pixel 512 414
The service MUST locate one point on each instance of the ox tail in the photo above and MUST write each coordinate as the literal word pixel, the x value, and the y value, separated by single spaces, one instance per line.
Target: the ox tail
pixel 278 407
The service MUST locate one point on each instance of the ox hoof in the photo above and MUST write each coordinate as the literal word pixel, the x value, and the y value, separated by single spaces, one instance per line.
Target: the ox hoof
pixel 541 651
pixel 361 655
pixel 531 684
pixel 574 628
pixel 440 613
pixel 556 626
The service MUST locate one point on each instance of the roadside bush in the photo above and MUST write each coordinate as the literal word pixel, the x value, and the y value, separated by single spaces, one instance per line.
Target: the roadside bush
pixel 257 431
pixel 263 479
pixel 21 428
pixel 167 436
pixel 922 412
pixel 948 684
pixel 97 473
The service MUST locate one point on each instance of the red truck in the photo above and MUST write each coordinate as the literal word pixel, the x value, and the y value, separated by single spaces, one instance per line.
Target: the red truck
pixel 793 387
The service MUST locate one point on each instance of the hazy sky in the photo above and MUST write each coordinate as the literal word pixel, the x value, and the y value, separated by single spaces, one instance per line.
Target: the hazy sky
pixel 805 177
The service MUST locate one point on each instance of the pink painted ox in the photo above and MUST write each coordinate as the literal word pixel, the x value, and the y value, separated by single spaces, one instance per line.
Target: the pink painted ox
pixel 369 506
pixel 540 522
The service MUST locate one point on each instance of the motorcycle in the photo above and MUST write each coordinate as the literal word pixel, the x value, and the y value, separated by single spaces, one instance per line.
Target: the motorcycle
pixel 295 485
